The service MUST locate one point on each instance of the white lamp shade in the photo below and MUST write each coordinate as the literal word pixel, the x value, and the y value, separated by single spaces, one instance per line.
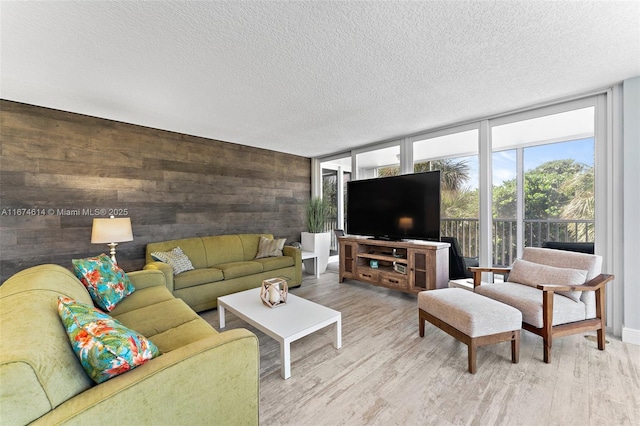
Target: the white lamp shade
pixel 113 230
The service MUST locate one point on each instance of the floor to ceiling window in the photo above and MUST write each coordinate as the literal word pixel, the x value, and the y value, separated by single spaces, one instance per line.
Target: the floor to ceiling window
pixel 336 173
pixel 541 178
pixel 381 162
pixel 543 182
pixel 455 154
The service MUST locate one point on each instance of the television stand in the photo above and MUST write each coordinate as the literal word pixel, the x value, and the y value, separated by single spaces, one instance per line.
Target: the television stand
pixel 408 266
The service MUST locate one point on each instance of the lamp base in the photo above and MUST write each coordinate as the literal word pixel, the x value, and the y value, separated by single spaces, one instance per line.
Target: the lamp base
pixel 112 252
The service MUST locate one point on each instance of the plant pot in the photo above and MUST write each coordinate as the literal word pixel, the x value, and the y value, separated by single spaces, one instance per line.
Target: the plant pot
pixel 320 245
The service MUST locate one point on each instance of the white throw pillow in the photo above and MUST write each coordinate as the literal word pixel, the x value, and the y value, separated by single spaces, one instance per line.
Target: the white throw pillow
pixel 533 274
pixel 175 258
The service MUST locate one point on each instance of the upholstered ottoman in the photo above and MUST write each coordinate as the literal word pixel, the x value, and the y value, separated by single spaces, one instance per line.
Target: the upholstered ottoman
pixel 473 319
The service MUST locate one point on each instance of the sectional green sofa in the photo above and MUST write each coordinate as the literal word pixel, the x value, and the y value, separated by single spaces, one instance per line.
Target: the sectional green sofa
pixel 201 377
pixel 223 264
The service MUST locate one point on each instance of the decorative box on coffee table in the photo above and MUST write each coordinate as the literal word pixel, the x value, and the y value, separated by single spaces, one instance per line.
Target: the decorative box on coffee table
pixel 273 292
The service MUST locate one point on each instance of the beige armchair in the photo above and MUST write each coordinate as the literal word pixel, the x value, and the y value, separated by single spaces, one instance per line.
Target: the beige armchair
pixel 558 292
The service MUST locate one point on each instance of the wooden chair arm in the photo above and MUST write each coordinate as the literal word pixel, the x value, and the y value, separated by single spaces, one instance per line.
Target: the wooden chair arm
pixel 591 285
pixel 478 270
pixel 481 269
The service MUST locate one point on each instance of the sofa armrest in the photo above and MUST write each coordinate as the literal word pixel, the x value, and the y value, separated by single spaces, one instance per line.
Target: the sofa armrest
pixel 165 269
pixel 296 253
pixel 146 278
pixel 213 380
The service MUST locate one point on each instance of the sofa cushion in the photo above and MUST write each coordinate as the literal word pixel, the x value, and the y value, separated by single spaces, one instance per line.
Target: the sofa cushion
pixel 534 274
pixel 561 258
pixel 222 249
pixel 273 263
pixel 240 269
pixel 175 258
pixel 157 318
pixel 141 298
pixel 103 345
pixel 197 277
pixel 528 300
pixel 269 247
pixel 250 244
pixel 470 313
pixel 565 259
pixel 183 334
pixel 106 282
pixel 169 324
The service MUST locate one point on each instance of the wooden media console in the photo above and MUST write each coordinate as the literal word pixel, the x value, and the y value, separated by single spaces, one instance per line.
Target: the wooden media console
pixel 409 266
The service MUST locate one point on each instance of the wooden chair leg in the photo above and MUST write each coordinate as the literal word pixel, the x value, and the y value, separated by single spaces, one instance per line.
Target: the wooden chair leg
pixel 547 349
pixel 420 323
pixel 600 315
pixel 601 338
pixel 472 349
pixel 515 347
pixel 547 321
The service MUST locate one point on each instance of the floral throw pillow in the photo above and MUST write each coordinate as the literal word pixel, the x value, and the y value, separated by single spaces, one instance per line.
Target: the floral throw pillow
pixel 104 346
pixel 106 282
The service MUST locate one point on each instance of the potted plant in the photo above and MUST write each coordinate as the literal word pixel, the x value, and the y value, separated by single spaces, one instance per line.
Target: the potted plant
pixel 316 239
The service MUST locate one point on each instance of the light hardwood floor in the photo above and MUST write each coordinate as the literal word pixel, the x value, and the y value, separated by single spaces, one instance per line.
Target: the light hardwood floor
pixel 385 374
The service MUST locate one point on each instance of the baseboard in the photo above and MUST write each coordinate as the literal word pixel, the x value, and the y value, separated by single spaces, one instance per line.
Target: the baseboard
pixel 629 335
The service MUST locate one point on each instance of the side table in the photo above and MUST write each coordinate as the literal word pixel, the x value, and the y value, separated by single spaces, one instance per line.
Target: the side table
pixel 311 255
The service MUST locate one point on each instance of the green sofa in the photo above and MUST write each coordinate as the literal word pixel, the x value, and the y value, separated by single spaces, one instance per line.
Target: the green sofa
pixel 202 376
pixel 224 264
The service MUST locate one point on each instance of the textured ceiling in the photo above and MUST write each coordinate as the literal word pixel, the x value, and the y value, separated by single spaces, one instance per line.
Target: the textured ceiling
pixel 310 77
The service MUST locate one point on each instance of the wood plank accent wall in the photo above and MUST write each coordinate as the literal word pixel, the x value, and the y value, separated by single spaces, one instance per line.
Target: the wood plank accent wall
pixel 72 168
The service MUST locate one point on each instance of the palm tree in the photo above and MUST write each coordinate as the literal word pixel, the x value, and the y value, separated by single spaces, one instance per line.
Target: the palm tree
pixel 389 171
pixel 454 174
pixel 582 204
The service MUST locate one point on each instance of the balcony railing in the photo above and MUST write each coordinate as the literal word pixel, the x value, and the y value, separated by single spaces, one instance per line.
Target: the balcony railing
pixel 536 232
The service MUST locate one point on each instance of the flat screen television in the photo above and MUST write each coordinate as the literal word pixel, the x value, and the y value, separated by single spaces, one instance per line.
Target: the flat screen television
pixel 405 207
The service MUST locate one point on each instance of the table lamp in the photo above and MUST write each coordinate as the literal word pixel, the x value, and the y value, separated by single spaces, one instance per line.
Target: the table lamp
pixel 111 231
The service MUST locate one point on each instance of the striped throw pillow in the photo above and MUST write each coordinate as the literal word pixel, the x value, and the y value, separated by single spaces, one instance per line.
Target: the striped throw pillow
pixel 270 247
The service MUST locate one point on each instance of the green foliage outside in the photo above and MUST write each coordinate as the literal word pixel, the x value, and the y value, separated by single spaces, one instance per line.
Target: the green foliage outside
pixel 558 189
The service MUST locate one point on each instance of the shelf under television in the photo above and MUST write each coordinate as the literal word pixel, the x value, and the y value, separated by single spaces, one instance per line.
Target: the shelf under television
pixel 382 257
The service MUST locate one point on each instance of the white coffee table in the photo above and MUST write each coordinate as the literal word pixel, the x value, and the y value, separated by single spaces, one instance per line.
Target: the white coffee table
pixel 295 319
